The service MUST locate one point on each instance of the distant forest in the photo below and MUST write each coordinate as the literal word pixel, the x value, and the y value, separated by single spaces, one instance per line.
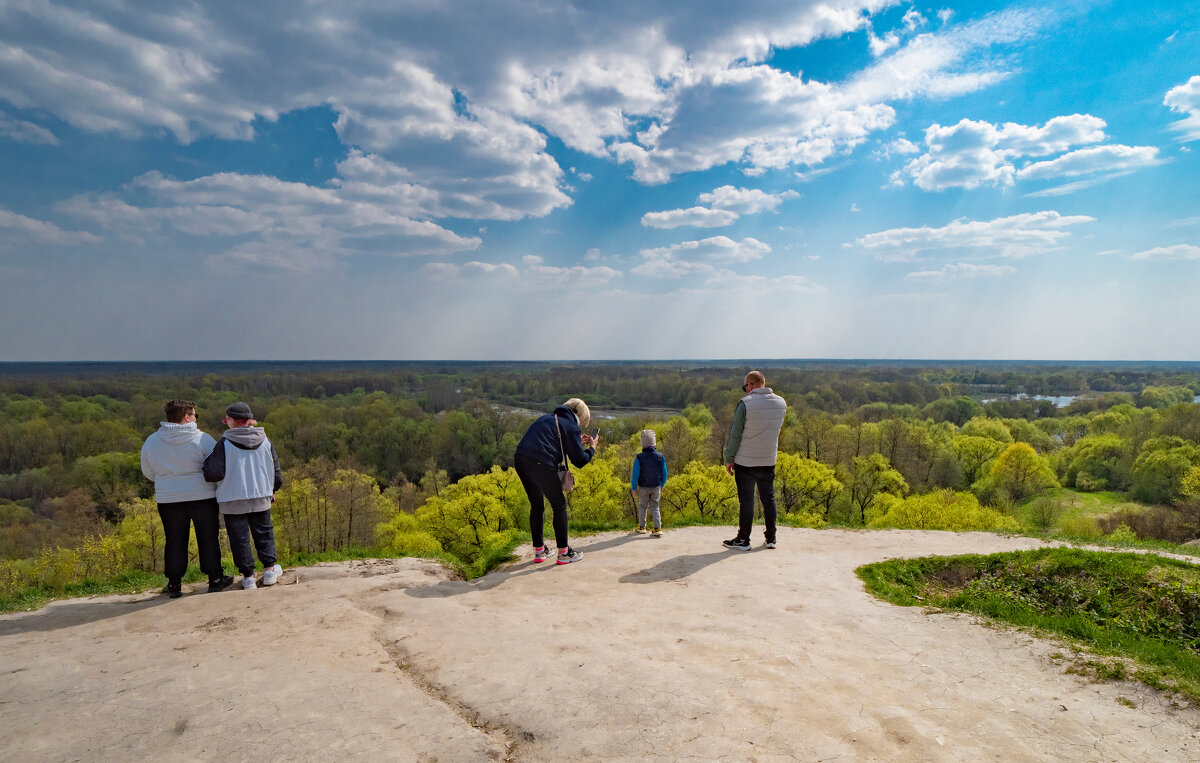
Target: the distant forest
pixel 375 443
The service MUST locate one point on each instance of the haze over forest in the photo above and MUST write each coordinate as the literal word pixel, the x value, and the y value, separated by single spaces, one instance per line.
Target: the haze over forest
pixel 501 180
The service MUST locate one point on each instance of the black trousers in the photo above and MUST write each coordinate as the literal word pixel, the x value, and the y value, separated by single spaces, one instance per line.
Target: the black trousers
pixel 177 520
pixel 746 478
pixel 240 527
pixel 541 481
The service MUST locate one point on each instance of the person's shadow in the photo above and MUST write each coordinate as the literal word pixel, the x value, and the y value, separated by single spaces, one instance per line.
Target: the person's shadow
pixel 675 568
pixel 72 613
pixel 491 580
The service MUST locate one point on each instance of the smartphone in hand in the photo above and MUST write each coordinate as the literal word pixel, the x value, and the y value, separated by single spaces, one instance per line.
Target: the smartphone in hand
pixel 595 432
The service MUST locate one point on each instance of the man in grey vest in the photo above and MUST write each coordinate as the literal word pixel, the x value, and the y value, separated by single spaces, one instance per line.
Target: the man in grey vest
pixel 750 456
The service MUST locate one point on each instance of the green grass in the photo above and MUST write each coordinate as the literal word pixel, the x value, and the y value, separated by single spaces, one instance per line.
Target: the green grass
pixel 1141 608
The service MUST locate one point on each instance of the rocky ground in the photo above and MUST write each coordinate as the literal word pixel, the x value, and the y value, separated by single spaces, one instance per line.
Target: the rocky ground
pixel 668 649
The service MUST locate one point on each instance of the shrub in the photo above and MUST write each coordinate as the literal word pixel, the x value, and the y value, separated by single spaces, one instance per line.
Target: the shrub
pixel 1156 522
pixel 939 510
pixel 1122 535
pixel 1079 527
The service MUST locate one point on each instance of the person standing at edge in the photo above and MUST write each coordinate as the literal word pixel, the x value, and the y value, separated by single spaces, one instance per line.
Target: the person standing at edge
pixel 244 464
pixel 173 457
pixel 646 484
pixel 750 455
pixel 546 442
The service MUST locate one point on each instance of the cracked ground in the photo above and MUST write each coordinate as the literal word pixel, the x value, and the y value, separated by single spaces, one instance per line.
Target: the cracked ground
pixel 671 649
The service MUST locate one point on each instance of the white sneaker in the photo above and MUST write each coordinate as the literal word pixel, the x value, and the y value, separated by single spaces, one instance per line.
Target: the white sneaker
pixel 271 575
pixel 248 583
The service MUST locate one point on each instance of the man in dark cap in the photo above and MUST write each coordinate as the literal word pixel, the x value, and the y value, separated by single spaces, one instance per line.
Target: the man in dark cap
pixel 244 464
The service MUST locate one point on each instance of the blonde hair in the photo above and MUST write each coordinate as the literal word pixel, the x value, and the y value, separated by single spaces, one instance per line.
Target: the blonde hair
pixel 581 411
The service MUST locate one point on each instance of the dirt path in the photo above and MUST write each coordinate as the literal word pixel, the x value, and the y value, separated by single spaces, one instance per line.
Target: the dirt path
pixel 670 649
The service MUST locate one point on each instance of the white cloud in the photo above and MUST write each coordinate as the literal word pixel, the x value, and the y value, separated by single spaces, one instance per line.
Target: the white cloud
pixel 1088 161
pixel 575 277
pixel 744 201
pixel 970 154
pixel 696 217
pixel 22 229
pixel 726 281
pixel 961 270
pixel 272 222
pixel 473 269
pixel 20 131
pixel 690 257
pixel 1015 236
pixel 1185 99
pixel 726 205
pixel 1176 252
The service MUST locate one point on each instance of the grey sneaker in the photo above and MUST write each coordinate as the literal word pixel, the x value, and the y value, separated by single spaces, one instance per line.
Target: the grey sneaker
pixel 770 544
pixel 271 575
pixel 542 554
pixel 248 583
pixel 571 556
pixel 741 544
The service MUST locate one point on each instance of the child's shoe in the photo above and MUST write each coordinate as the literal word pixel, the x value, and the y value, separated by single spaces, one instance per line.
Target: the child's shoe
pixel 656 532
pixel 271 575
pixel 640 529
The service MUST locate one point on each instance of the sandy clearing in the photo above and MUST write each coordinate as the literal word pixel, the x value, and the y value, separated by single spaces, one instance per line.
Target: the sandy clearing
pixel 671 649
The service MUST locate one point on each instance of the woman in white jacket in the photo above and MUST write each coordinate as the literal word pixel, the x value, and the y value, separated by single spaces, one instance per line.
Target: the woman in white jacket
pixel 173 457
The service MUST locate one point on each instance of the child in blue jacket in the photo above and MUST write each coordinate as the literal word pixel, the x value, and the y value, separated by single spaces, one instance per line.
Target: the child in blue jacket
pixel 649 476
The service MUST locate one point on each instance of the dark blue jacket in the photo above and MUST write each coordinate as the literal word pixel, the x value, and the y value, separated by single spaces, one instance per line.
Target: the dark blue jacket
pixel 649 469
pixel 541 439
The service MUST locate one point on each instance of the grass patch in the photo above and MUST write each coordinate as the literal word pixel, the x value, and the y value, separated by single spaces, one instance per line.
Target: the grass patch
pixel 1141 608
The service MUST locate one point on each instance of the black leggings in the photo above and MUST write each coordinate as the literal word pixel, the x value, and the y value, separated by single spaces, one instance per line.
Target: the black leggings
pixel 541 481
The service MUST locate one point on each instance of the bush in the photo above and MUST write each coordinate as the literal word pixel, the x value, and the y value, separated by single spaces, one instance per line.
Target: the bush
pixel 1153 522
pixel 939 510
pixel 1079 527
pixel 1122 536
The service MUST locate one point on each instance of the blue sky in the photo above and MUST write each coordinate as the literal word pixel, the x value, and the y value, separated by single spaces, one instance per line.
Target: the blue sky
pixel 505 180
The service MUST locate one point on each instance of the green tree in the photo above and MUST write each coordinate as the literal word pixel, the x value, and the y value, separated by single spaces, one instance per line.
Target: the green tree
pixel 804 486
pixel 1097 462
pixel 1160 468
pixel 975 455
pixel 939 510
pixel 1017 473
pixel 701 492
pixel 872 476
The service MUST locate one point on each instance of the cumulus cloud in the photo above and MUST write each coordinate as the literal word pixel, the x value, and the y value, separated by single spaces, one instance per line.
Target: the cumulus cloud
pixel 1185 99
pixel 696 217
pixel 745 201
pixel 690 257
pixel 1015 236
pixel 19 228
pixel 725 205
pixel 970 154
pixel 960 270
pixel 20 131
pixel 1176 252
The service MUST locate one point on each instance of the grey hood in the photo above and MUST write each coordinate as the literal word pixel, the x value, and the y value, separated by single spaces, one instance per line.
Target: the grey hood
pixel 178 434
pixel 248 438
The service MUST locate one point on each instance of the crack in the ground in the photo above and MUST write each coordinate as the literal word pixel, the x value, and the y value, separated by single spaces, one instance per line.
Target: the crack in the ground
pixel 507 738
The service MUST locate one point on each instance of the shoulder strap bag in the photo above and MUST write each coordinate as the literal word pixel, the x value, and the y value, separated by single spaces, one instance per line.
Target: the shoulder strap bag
pixel 565 477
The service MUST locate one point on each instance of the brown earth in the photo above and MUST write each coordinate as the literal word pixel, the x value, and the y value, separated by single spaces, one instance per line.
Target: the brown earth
pixel 667 649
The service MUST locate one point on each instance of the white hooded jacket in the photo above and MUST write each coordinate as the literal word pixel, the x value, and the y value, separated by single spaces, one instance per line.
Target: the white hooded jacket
pixel 174 458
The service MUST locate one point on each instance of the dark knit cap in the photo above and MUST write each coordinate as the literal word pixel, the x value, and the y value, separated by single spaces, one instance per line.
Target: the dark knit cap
pixel 239 411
